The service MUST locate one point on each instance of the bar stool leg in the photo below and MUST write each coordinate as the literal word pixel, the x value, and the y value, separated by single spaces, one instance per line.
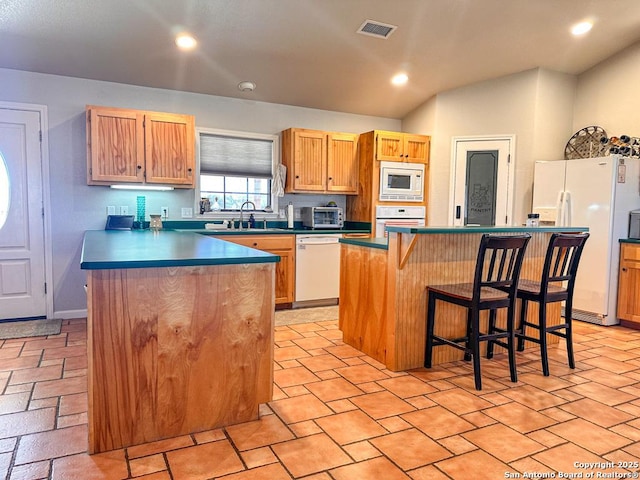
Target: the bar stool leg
pixel 468 346
pixel 511 342
pixel 475 347
pixel 568 311
pixel 543 338
pixel 431 313
pixel 491 329
pixel 522 326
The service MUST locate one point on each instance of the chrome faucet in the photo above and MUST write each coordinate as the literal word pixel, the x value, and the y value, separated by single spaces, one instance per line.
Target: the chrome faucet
pixel 248 202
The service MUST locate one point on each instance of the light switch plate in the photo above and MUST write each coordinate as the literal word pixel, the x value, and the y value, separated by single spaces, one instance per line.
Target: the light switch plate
pixel 187 212
pixel 111 210
pixel 124 210
pixel 164 212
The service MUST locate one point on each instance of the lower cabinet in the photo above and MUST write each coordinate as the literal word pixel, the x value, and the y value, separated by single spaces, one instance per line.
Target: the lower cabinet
pixel 281 245
pixel 629 285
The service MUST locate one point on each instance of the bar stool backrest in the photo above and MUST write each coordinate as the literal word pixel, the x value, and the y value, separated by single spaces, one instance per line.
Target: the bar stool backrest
pixel 499 263
pixel 562 259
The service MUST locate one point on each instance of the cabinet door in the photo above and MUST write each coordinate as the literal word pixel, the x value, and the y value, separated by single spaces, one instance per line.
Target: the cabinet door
pixel 389 146
pixel 342 163
pixel 170 146
pixel 115 144
pixel 309 160
pixel 281 245
pixel 285 271
pixel 629 283
pixel 416 148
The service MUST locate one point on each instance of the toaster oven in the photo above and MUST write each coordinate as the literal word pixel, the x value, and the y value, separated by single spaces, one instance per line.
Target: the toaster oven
pixel 322 217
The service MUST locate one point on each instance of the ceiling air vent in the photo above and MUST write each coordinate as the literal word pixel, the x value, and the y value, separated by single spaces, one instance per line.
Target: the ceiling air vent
pixel 376 29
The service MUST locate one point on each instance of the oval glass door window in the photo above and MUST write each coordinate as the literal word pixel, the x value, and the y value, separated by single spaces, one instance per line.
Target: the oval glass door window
pixel 4 191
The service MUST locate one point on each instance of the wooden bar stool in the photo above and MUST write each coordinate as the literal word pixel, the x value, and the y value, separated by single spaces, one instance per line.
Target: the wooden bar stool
pixel 494 286
pixel 555 285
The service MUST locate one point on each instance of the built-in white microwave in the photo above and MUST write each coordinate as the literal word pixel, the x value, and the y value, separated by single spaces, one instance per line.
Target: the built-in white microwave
pixel 401 181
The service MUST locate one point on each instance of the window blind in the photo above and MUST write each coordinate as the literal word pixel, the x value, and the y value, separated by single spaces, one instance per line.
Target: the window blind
pixel 238 156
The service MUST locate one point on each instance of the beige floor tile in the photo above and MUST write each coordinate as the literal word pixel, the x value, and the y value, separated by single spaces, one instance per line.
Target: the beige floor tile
pixel 109 465
pixel 146 465
pixel 334 389
pixel 503 442
pixel 322 362
pixel 381 404
pixel 298 409
pixel 159 446
pixel 603 394
pixel 519 417
pixel 360 451
pixel 589 436
pixel 374 469
pixel 202 462
pixel 309 455
pixel 477 465
pixel 460 401
pixel 259 433
pixel 350 427
pixel 268 472
pixel 563 457
pixel 597 413
pixel 533 397
pixel 258 457
pixel 361 373
pixel 406 386
pixel 437 422
pixel 410 449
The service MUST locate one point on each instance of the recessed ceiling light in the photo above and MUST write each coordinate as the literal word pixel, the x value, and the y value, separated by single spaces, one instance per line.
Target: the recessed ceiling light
pixel 581 28
pixel 185 41
pixel 246 86
pixel 400 79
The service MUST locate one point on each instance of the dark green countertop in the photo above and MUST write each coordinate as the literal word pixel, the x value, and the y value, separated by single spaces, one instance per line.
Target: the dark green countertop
pixel 380 243
pixel 270 231
pixel 629 240
pixel 110 249
pixel 484 229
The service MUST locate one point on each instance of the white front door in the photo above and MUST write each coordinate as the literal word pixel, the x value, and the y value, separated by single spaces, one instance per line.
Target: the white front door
pixel 482 176
pixel 22 259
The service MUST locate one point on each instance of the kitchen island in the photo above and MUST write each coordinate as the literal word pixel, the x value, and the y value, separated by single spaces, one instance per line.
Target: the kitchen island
pixel 383 287
pixel 180 334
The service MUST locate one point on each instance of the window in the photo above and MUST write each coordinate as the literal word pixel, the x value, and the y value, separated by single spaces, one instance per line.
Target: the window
pixel 236 167
pixel 4 191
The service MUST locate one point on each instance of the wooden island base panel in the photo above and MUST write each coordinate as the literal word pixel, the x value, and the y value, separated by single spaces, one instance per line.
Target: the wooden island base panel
pixel 174 350
pixel 383 292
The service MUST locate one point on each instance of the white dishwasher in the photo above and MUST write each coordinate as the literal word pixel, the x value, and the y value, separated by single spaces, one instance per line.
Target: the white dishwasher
pixel 317 269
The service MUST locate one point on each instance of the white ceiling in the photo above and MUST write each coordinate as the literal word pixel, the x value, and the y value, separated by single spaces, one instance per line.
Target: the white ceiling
pixel 307 52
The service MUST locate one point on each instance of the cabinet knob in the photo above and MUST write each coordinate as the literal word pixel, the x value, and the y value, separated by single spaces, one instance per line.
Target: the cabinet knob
pixel 255 244
pixel 624 269
pixel 139 167
pixel 189 170
pixel 330 178
pixel 297 176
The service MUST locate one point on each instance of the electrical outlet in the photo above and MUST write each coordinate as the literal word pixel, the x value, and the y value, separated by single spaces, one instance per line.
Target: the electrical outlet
pixel 187 212
pixel 281 213
pixel 164 212
pixel 124 210
pixel 297 214
pixel 111 210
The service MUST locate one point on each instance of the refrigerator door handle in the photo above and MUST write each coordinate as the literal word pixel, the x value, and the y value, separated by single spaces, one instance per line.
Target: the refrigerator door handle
pixel 560 208
pixel 567 209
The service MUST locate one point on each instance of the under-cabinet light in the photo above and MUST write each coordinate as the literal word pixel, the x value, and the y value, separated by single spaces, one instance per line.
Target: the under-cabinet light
pixel 141 187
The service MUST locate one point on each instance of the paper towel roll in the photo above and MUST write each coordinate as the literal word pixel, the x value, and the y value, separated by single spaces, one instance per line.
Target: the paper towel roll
pixel 290 215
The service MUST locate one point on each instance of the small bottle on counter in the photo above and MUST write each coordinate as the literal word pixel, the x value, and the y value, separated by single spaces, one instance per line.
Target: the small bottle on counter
pixel 533 220
pixel 252 221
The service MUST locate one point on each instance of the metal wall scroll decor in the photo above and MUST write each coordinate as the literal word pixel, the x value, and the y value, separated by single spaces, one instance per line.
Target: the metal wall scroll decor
pixel 593 141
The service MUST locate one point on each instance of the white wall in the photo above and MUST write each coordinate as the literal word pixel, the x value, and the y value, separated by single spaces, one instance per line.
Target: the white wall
pixel 512 105
pixel 76 207
pixel 607 95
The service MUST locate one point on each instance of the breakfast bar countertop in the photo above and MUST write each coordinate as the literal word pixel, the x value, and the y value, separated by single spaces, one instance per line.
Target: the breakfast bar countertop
pixel 484 229
pixel 115 249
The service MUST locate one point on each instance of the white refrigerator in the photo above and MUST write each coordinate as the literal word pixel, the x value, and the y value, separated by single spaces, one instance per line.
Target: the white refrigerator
pixel 597 193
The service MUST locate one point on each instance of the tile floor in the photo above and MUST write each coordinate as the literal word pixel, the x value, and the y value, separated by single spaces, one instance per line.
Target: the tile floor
pixel 337 414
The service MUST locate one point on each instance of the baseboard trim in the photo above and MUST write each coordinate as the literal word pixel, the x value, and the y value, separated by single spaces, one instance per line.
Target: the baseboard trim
pixel 66 314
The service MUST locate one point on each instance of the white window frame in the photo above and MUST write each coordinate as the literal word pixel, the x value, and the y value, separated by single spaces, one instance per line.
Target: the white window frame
pixel 275 139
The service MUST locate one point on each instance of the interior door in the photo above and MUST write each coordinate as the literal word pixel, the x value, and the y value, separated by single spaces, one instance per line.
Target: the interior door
pixel 22 259
pixel 482 182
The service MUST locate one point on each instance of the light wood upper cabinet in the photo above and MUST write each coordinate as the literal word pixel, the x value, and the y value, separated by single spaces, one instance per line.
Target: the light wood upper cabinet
pixel 320 162
pixel 131 146
pixel 629 285
pixel 402 147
